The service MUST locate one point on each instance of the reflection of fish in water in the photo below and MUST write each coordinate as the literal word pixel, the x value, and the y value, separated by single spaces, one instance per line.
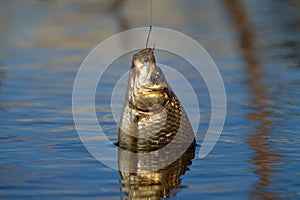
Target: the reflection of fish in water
pixel 152 115
pixel 139 184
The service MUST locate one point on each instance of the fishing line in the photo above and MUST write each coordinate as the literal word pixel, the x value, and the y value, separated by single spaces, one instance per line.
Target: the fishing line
pixel 150 27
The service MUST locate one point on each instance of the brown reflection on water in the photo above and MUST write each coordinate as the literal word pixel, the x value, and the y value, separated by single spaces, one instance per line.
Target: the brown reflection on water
pixel 117 7
pixel 264 159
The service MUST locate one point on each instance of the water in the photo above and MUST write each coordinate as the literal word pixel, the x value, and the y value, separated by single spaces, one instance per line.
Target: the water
pixel 255 45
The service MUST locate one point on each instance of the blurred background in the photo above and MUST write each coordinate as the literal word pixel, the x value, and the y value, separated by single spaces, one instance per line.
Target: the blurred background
pixel 255 44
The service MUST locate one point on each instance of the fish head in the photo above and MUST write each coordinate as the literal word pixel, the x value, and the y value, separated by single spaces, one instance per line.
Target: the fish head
pixel 148 88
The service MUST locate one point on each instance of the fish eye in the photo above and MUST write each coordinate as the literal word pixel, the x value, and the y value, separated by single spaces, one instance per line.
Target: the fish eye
pixel 154 79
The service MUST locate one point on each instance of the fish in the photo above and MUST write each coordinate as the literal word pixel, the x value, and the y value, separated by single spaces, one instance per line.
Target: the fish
pixel 152 115
pixel 152 120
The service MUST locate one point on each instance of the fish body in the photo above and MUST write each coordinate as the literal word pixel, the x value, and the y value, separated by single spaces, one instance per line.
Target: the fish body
pixel 152 114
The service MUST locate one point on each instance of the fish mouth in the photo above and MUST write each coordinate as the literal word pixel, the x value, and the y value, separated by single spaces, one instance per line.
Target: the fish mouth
pixel 143 57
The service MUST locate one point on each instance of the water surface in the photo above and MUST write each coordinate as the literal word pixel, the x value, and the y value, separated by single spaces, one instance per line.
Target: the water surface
pixel 255 44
